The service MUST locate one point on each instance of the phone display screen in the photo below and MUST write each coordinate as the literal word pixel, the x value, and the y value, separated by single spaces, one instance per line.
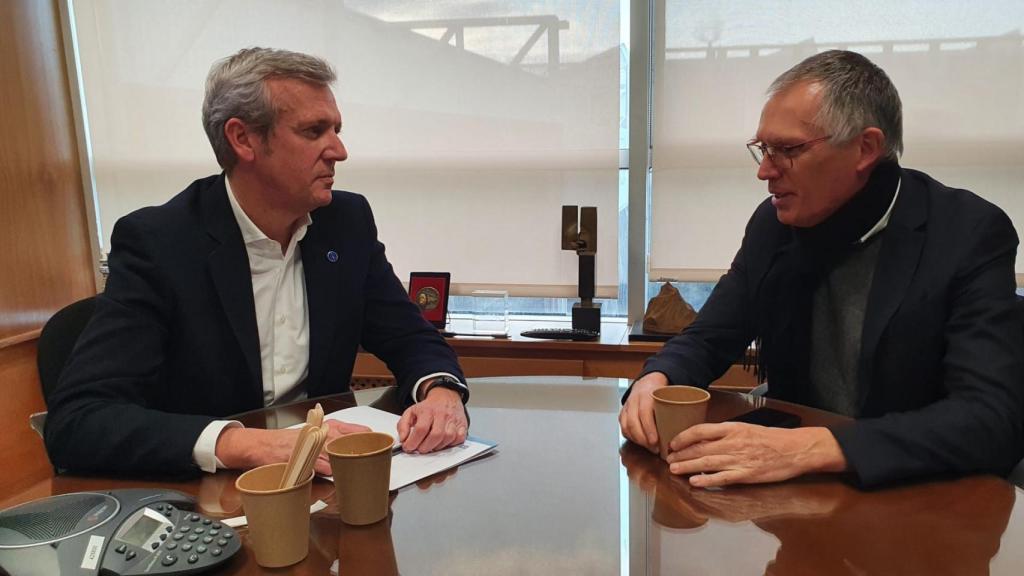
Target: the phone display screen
pixel 141 531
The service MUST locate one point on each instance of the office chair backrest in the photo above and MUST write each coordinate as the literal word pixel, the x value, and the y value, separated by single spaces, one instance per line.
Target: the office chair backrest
pixel 58 338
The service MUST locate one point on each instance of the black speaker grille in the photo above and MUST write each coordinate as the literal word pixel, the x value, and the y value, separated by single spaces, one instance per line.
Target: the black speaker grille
pixel 54 518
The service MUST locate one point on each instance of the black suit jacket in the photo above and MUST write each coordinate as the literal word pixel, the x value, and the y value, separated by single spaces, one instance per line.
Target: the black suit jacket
pixel 173 344
pixel 941 369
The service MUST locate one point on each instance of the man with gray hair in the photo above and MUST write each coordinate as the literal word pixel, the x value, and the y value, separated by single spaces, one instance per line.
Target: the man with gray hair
pixel 249 288
pixel 871 290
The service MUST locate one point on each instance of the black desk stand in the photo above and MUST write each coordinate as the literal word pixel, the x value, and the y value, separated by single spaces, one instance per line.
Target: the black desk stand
pixel 586 314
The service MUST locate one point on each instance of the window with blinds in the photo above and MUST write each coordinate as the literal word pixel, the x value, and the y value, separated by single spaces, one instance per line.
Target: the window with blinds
pixel 468 124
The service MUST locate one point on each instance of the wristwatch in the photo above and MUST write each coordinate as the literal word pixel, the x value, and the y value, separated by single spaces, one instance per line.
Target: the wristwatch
pixel 449 383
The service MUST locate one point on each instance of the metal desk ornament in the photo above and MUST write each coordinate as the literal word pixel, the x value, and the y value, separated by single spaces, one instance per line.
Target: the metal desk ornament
pixel 579 233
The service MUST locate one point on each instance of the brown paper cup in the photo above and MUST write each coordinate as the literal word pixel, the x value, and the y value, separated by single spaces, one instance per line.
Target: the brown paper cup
pixel 361 464
pixel 278 519
pixel 676 408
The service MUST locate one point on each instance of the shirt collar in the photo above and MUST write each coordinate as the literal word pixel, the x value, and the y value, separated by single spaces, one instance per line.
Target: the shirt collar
pixel 884 221
pixel 251 233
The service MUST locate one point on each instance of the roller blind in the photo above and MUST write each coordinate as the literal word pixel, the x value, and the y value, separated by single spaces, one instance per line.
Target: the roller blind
pixel 959 69
pixel 468 124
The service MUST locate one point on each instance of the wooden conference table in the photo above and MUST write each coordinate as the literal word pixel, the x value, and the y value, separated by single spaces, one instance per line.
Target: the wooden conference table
pixel 563 495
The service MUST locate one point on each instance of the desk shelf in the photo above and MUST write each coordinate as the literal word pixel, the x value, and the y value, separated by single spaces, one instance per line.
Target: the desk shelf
pixel 613 356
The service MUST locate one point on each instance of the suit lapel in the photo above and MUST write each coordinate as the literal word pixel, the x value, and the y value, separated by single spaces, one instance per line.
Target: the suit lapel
pixel 898 258
pixel 229 268
pixel 322 261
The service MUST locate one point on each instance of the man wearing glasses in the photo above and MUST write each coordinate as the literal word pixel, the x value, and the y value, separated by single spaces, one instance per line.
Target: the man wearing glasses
pixel 871 290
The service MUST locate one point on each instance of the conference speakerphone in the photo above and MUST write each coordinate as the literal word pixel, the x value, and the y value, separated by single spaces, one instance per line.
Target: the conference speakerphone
pixel 116 532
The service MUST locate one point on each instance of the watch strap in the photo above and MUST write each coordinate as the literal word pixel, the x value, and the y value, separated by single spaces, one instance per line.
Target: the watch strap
pixel 449 383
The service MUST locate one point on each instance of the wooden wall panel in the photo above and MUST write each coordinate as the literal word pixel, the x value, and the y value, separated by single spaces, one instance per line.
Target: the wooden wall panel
pixel 476 367
pixel 24 456
pixel 45 253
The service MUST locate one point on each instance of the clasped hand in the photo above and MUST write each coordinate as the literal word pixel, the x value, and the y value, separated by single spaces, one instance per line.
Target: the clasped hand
pixel 730 452
pixel 738 453
pixel 436 422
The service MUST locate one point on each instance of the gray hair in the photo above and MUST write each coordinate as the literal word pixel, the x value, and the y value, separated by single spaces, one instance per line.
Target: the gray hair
pixel 236 88
pixel 856 94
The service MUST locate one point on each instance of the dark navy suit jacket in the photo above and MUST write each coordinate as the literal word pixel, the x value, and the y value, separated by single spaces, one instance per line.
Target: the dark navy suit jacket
pixel 942 352
pixel 173 344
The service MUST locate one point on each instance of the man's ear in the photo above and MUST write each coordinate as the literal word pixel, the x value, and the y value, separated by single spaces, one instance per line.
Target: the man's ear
pixel 871 148
pixel 243 140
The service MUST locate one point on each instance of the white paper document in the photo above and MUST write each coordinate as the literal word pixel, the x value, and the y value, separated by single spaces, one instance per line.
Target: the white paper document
pixel 373 418
pixel 408 468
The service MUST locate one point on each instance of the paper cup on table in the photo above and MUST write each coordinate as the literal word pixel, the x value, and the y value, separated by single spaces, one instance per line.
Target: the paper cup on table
pixel 676 408
pixel 361 464
pixel 278 518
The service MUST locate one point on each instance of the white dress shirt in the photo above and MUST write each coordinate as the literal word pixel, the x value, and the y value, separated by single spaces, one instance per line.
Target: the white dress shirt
pixel 282 320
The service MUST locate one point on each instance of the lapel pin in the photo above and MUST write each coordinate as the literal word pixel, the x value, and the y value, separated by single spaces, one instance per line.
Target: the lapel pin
pixel 332 256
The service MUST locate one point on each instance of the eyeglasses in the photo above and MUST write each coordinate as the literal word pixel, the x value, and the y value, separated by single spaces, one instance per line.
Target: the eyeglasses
pixel 758 150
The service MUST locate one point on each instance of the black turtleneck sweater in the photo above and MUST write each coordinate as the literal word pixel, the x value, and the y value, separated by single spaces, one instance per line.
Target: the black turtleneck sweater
pixel 843 267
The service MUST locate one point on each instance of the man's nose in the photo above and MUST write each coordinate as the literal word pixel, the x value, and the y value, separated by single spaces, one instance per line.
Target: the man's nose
pixel 768 170
pixel 336 152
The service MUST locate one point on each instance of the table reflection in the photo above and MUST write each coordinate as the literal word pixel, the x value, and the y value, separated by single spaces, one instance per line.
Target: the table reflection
pixel 824 526
pixel 367 549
